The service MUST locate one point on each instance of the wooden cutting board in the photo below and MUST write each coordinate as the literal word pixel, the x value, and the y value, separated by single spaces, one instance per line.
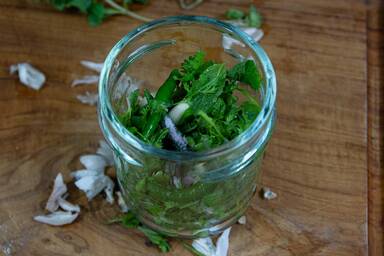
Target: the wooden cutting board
pixel 324 160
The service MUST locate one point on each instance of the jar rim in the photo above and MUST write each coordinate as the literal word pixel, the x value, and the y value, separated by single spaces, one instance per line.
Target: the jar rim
pixel 267 108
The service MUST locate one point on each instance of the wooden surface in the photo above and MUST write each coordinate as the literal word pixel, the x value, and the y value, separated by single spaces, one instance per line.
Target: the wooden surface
pixel 375 26
pixel 324 159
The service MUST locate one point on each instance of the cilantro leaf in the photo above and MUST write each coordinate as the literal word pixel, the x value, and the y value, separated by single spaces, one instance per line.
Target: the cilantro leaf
pixel 234 14
pixel 193 63
pixel 246 72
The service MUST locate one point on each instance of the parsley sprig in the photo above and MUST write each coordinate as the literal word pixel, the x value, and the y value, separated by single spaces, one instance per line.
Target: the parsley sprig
pixel 97 11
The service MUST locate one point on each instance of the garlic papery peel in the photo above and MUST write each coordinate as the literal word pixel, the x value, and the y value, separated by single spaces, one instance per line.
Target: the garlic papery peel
pixel 95 66
pixel 58 191
pixel 85 80
pixel 93 162
pixel 58 218
pixel 204 246
pixel 93 185
pixel 222 244
pixel 67 206
pixel 83 173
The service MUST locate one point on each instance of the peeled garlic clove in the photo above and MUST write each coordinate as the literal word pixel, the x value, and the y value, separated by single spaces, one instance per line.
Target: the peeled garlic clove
pixel 67 206
pixel 58 218
pixel 177 112
pixel 93 162
pixel 59 189
pixel 29 75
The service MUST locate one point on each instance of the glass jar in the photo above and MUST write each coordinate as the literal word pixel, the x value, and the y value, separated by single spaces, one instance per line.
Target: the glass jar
pixel 184 194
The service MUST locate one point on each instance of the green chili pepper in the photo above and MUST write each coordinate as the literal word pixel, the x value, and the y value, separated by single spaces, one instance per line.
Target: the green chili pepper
pixel 166 91
pixel 163 96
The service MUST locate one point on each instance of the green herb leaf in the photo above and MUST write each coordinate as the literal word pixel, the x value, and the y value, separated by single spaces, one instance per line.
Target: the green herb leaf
pixel 192 63
pixel 81 5
pixel 156 238
pixel 96 14
pixel 129 220
pixel 246 72
pixel 211 81
pixel 234 14
pixel 254 18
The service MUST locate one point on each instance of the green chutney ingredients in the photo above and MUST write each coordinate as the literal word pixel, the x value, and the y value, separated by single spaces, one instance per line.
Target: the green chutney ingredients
pixel 200 106
pixel 196 108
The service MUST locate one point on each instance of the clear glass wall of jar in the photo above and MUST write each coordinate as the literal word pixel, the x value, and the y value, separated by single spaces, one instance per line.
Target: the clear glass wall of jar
pixel 184 194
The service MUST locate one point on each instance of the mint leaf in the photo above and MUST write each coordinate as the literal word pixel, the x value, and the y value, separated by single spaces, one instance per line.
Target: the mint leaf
pixel 211 81
pixel 246 72
pixel 234 14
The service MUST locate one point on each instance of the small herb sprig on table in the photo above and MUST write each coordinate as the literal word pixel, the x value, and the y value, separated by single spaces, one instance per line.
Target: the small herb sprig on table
pixel 97 11
pixel 252 19
pixel 129 220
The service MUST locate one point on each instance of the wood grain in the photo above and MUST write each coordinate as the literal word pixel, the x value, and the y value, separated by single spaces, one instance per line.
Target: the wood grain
pixel 375 127
pixel 327 135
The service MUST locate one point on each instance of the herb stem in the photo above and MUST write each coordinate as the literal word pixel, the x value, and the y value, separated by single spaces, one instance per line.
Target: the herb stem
pixel 249 96
pixel 211 123
pixel 124 11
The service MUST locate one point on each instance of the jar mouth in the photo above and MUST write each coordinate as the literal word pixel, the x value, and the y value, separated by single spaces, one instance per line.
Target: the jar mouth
pixel 267 108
